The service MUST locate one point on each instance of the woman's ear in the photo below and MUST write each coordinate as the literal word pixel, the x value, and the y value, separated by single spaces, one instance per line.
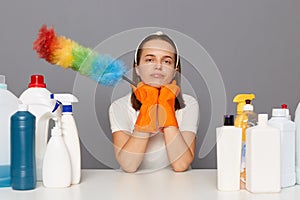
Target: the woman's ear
pixel 176 69
pixel 137 70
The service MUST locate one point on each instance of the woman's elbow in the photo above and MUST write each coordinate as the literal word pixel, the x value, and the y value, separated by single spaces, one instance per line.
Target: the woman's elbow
pixel 127 166
pixel 129 169
pixel 180 167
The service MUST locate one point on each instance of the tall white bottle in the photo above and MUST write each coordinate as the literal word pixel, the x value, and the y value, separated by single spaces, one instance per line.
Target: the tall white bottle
pixel 229 147
pixel 263 157
pixel 297 121
pixel 8 106
pixel 37 97
pixel 287 130
pixel 57 164
pixel 70 133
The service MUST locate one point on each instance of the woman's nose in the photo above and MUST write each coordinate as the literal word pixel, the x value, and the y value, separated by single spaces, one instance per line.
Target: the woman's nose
pixel 158 66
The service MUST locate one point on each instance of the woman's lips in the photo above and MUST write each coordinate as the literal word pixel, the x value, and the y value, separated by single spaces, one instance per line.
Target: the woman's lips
pixel 156 75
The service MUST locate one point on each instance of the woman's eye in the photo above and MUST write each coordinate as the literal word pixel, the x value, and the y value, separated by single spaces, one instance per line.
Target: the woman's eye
pixel 168 62
pixel 149 60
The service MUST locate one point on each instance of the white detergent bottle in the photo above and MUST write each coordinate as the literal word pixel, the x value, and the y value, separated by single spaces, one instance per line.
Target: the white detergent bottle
pixel 56 163
pixel 70 133
pixel 8 106
pixel 37 97
pixel 297 122
pixel 263 157
pixel 229 147
pixel 287 130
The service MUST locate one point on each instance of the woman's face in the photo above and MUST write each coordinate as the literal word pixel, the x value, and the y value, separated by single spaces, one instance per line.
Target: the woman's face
pixel 157 63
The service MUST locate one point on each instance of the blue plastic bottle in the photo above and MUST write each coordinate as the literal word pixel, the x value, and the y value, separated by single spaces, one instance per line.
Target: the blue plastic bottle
pixel 23 172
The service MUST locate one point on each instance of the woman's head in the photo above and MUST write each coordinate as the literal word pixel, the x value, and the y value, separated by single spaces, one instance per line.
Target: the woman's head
pixel 156 61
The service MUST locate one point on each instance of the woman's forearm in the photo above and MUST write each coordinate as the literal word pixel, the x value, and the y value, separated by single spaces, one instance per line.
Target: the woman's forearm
pixel 180 150
pixel 131 154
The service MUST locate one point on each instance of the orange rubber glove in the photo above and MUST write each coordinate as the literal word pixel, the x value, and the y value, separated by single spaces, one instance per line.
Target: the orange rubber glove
pixel 166 105
pixel 147 118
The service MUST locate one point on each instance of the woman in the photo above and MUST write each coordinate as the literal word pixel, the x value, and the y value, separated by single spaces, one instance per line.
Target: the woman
pixel 155 126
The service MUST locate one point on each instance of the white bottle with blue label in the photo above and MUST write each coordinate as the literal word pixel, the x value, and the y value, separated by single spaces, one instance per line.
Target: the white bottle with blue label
pixel 8 106
pixel 287 131
pixel 70 133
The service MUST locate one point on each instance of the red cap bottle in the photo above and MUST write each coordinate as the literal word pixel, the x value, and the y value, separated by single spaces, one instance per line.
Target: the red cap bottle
pixel 37 81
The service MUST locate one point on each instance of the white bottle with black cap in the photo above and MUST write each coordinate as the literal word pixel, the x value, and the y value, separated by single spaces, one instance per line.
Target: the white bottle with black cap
pixel 263 157
pixel 287 130
pixel 229 144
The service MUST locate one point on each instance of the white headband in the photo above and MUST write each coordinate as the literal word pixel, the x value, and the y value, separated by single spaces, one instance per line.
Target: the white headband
pixel 156 33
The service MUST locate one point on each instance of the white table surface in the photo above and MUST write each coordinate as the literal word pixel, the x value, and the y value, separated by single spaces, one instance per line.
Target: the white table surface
pixel 163 184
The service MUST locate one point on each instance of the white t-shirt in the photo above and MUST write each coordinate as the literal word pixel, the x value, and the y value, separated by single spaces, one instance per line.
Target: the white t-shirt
pixel 123 116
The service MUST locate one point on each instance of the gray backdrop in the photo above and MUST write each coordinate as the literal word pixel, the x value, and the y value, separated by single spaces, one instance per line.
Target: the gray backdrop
pixel 255 45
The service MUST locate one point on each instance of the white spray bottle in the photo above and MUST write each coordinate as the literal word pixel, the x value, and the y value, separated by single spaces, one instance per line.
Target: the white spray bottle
pixel 70 133
pixel 57 164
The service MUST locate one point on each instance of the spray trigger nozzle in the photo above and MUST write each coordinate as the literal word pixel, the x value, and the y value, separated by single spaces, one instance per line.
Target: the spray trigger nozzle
pixel 57 104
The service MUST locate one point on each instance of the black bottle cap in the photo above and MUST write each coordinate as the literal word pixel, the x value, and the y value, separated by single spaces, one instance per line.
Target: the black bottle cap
pixel 228 120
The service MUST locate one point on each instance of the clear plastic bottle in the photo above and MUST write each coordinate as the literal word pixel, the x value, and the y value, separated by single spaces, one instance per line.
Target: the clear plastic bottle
pixel 248 118
pixel 8 106
pixel 249 111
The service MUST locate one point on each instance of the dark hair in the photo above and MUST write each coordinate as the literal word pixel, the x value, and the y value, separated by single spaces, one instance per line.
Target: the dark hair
pixel 179 102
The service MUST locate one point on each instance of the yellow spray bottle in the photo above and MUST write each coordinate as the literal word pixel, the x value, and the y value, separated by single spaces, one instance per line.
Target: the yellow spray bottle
pixel 244 108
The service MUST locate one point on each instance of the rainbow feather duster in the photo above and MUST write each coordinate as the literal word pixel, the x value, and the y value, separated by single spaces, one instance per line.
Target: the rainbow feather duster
pixel 64 52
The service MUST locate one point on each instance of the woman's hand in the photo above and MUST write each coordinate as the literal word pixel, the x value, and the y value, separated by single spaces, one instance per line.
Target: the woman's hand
pixel 148 96
pixel 166 108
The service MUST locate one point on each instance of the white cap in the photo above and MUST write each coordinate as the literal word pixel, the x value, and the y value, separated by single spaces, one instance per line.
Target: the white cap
pixel 278 112
pixel 248 107
pixel 2 79
pixel 23 107
pixel 262 119
pixel 287 112
pixel 3 85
